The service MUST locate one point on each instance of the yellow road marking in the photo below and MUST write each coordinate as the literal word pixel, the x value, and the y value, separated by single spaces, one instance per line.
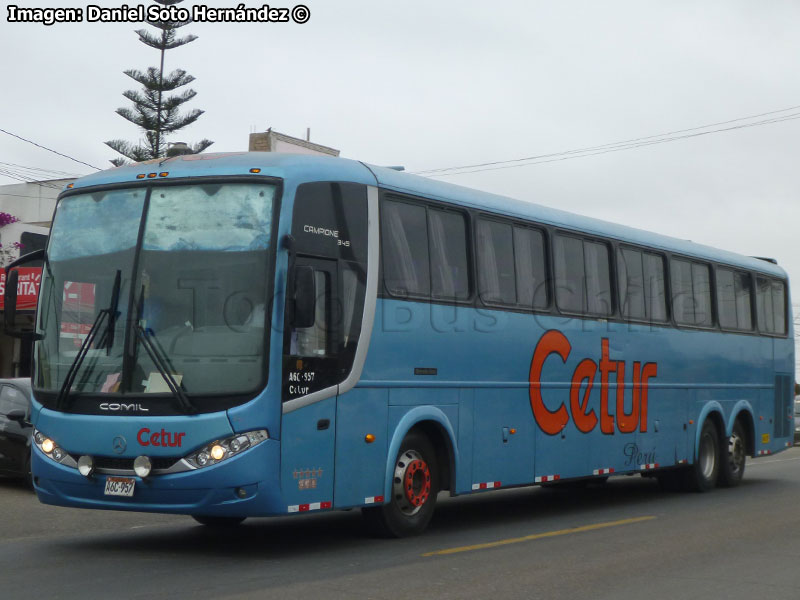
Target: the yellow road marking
pixel 538 536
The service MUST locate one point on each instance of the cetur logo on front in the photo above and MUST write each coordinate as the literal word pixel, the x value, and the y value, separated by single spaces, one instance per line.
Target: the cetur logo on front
pixel 160 438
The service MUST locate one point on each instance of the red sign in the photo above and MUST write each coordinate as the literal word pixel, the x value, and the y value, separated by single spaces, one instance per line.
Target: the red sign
pixel 27 288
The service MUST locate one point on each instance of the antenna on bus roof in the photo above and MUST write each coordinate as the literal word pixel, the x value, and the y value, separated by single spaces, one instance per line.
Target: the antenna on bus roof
pixel 396 167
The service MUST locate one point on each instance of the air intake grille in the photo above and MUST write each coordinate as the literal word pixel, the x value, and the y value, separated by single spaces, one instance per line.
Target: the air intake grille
pixel 114 463
pixel 783 405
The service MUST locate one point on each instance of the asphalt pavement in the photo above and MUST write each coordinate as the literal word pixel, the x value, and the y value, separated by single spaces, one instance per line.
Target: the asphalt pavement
pixel 625 539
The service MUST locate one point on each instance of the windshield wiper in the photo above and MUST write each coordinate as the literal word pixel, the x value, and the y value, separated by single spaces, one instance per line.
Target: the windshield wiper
pixel 163 367
pixel 109 313
pixel 157 355
pixel 107 341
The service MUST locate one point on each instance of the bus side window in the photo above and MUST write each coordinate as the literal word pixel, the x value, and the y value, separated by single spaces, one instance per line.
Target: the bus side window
pixel 405 249
pixel 447 234
pixel 691 289
pixel 733 299
pixel 771 304
pixel 529 257
pixel 641 285
pixel 314 340
pixel 583 277
pixel 496 280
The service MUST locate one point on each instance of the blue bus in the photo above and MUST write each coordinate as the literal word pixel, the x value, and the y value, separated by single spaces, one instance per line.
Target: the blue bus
pixel 254 334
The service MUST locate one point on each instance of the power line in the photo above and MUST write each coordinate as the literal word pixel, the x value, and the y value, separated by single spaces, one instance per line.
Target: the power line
pixel 64 174
pixel 613 146
pixel 27 179
pixel 49 149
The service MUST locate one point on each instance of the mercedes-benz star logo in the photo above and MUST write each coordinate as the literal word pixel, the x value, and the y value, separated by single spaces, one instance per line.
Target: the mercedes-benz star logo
pixel 119 444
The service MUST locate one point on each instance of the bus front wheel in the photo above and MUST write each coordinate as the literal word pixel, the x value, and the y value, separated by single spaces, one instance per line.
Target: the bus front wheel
pixel 415 484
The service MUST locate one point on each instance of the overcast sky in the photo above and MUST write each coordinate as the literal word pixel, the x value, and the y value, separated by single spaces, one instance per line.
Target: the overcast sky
pixel 448 83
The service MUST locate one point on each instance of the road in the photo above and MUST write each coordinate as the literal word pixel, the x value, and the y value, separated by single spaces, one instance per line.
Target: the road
pixel 626 539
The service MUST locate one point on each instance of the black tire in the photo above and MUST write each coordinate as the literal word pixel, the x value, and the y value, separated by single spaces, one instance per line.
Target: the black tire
pixel 414 488
pixel 733 453
pixel 218 522
pixel 702 475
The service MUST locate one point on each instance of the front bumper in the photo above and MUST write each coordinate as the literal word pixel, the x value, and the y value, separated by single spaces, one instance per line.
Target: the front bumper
pixel 211 491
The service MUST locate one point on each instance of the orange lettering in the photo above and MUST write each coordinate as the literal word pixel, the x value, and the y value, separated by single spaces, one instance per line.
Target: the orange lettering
pixel 627 422
pixel 584 421
pixel 606 366
pixel 648 371
pixel 552 342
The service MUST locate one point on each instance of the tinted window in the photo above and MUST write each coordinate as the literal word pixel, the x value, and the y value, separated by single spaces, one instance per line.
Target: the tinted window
pixel 598 278
pixel 530 263
pixel 405 249
pixel 691 293
pixel 779 306
pixel 701 288
pixel 570 280
pixel 449 270
pixel 330 219
pixel 630 271
pixel 771 305
pixel 495 250
pixel 655 293
pixel 734 289
pixel 314 340
pixel 583 281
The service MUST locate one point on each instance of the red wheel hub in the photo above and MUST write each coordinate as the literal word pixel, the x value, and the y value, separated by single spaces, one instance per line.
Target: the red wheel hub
pixel 417 482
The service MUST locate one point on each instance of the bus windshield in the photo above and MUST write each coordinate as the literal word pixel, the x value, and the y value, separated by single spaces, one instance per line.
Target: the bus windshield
pixel 193 261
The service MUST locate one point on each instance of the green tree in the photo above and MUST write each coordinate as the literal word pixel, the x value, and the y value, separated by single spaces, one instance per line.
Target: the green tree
pixel 155 111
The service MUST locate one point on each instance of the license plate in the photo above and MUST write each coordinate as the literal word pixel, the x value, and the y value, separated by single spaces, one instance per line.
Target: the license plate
pixel 119 486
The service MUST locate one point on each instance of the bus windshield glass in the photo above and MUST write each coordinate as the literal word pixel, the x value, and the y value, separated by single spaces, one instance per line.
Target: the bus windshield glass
pixel 193 263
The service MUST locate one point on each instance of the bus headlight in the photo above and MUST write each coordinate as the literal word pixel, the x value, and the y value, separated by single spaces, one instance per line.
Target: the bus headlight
pixel 220 450
pixel 49 447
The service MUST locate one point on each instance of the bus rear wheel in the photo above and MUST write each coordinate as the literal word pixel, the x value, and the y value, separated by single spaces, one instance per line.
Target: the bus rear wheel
pixel 415 485
pixel 734 456
pixel 702 475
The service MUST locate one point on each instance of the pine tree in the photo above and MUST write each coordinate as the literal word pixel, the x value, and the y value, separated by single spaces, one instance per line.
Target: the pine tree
pixel 154 110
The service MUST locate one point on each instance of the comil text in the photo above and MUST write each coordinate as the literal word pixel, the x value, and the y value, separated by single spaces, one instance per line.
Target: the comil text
pixel 583 379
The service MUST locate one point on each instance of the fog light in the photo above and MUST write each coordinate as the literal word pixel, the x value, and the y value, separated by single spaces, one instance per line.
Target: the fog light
pixel 86 466
pixel 48 445
pixel 217 452
pixel 142 466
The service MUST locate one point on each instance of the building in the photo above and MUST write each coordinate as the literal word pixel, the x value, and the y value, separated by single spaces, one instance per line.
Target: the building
pixel 33 204
pixel 272 141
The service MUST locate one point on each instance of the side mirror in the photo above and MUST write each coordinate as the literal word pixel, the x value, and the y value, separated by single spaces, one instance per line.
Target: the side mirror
pixel 16 415
pixel 305 297
pixel 10 295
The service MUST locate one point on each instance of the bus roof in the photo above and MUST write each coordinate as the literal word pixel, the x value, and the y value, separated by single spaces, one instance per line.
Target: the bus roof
pixel 297 169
